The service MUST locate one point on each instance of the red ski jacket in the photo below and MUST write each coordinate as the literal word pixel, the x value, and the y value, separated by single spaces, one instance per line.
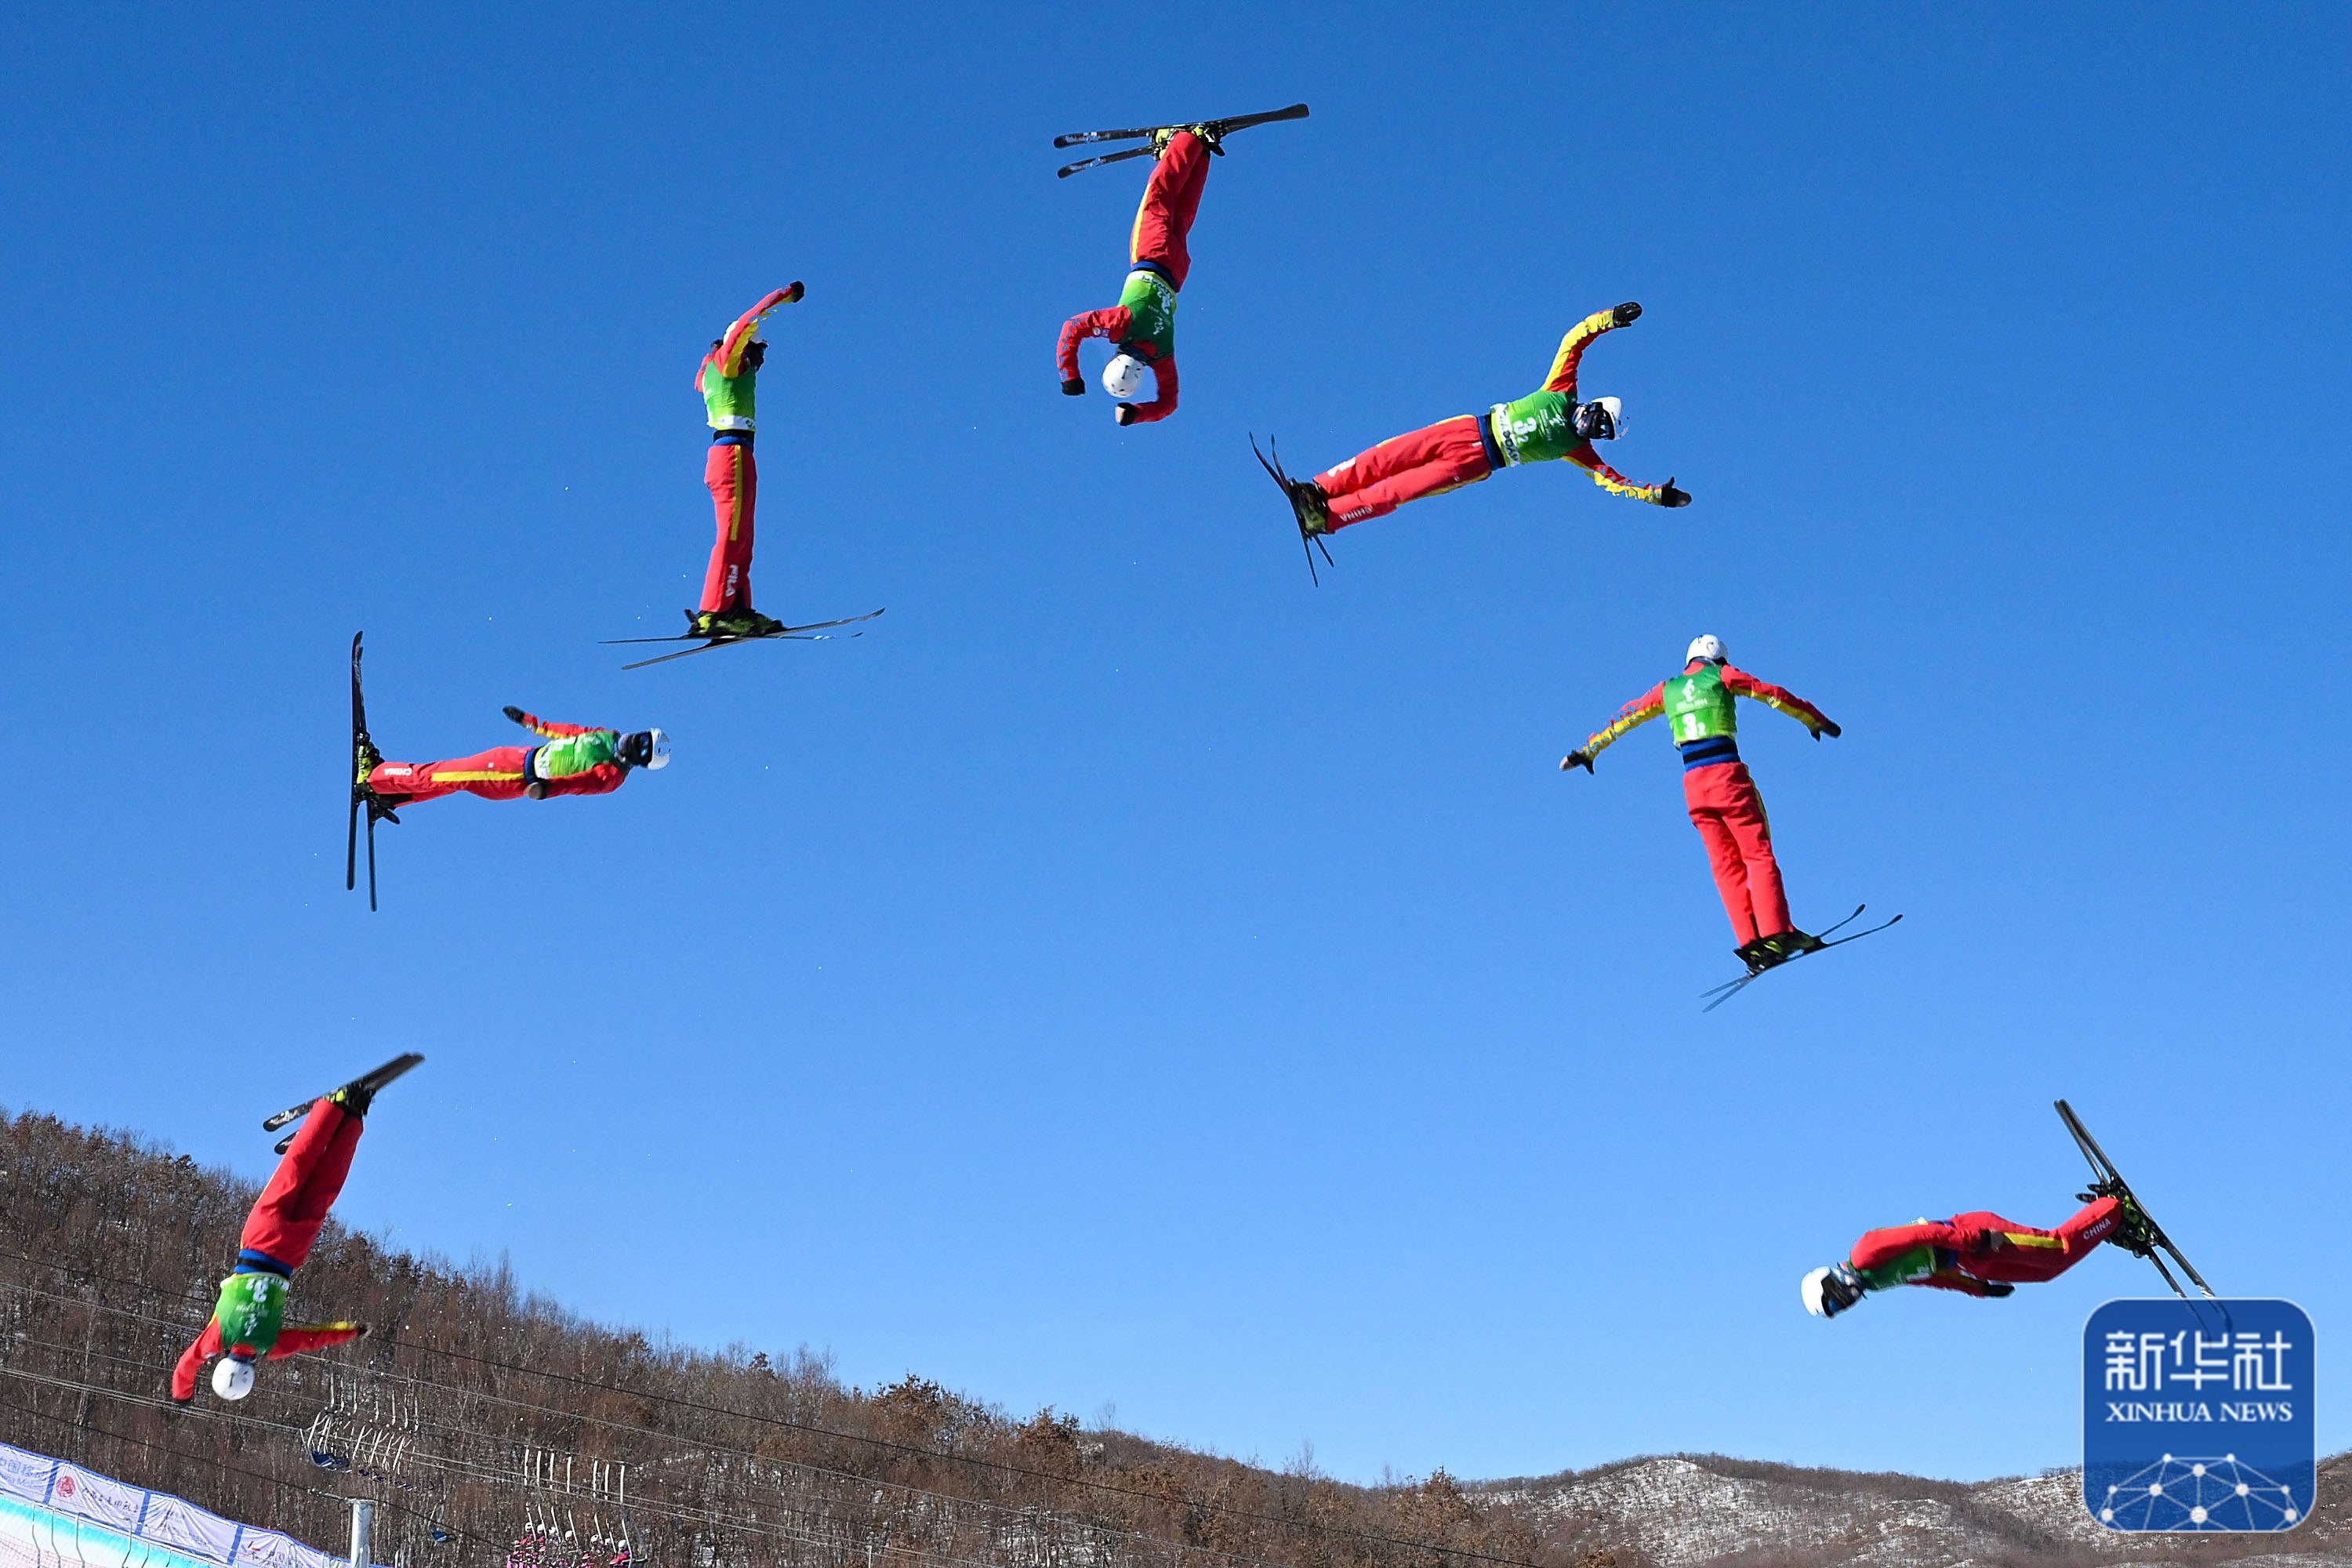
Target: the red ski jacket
pixel 292 1340
pixel 603 778
pixel 1114 323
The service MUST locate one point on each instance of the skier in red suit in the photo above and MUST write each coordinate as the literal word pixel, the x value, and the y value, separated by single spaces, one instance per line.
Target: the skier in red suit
pixel 728 381
pixel 1142 325
pixel 1976 1254
pixel 577 760
pixel 249 1323
pixel 1725 805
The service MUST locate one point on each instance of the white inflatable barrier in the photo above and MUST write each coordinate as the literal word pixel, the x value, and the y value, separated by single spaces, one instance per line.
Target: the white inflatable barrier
pixel 57 1515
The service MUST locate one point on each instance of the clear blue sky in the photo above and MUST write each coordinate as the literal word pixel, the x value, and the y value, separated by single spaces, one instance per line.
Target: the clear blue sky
pixel 1131 975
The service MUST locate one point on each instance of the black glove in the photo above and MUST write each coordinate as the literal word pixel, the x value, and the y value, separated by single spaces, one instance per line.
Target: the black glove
pixel 1577 760
pixel 1999 1287
pixel 794 292
pixel 1124 413
pixel 1074 387
pixel 1669 495
pixel 1626 314
pixel 514 714
pixel 1828 727
pixel 535 789
pixel 367 1329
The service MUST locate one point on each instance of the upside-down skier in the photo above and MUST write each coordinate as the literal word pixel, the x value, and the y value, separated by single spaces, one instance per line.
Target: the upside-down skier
pixel 576 759
pixel 1724 803
pixel 1142 325
pixel 727 380
pixel 248 1322
pixel 1978 1254
pixel 1554 421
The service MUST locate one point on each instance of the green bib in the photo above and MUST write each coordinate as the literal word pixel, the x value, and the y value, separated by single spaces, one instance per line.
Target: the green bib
pixel 1700 706
pixel 1536 428
pixel 1906 1268
pixel 577 753
pixel 729 398
pixel 252 1307
pixel 1151 301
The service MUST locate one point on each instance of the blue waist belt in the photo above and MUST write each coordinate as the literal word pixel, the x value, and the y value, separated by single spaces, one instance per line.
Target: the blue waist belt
pixel 731 438
pixel 1486 439
pixel 252 1260
pixel 1708 752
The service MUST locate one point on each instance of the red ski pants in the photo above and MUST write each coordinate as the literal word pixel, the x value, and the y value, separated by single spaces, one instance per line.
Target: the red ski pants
pixel 2024 1255
pixel 1730 815
pixel 1164 222
pixel 285 1222
pixel 733 480
pixel 494 774
pixel 1426 462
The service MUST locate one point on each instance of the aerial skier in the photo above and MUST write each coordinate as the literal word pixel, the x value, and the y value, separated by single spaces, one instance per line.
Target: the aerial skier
pixel 1554 421
pixel 727 380
pixel 248 1322
pixel 1977 1254
pixel 1725 805
pixel 576 760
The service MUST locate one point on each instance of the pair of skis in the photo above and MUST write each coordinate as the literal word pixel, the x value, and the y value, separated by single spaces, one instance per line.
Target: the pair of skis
pixel 2109 1183
pixel 1730 988
pixel 368 1083
pixel 1216 128
pixel 789 633
pixel 362 797
pixel 1273 467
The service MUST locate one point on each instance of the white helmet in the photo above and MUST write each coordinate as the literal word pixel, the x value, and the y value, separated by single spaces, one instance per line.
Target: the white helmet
pixel 1616 408
pixel 1827 1291
pixel 1123 375
pixel 660 759
pixel 1709 647
pixel 232 1378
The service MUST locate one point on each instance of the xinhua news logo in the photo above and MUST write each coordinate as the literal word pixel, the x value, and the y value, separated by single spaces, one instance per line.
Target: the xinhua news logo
pixel 2197 1415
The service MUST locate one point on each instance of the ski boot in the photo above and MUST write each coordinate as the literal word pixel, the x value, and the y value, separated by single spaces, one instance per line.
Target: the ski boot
pixel 1211 137
pixel 1309 505
pixel 2134 1232
pixel 1753 954
pixel 1783 945
pixel 367 759
pixel 740 622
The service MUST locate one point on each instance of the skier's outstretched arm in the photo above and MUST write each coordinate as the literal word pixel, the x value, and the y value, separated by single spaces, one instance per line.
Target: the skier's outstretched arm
pixel 192 1361
pixel 1780 700
pixel 1163 402
pixel 747 326
pixel 296 1338
pixel 1110 323
pixel 547 727
pixel 1579 337
pixel 1584 457
pixel 1633 715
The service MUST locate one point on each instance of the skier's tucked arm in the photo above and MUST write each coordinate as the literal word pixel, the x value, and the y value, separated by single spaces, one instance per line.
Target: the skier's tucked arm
pixel 1966 1284
pixel 1111 323
pixel 296 1338
pixel 730 353
pixel 192 1361
pixel 1579 337
pixel 1780 700
pixel 1584 457
pixel 547 727
pixel 1163 378
pixel 1630 717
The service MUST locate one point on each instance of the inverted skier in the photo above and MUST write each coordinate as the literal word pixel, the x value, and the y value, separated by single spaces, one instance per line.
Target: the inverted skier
pixel 1725 805
pixel 1553 421
pixel 576 760
pixel 727 380
pixel 248 1324
pixel 1142 325
pixel 1976 1254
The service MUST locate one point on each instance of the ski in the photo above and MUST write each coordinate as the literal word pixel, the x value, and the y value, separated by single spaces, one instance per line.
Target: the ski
pixel 1220 128
pixel 790 634
pixel 1730 988
pixel 362 797
pixel 2109 1183
pixel 1274 471
pixel 370 1081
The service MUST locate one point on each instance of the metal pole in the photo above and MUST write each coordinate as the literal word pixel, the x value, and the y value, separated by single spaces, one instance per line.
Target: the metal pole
pixel 362 1521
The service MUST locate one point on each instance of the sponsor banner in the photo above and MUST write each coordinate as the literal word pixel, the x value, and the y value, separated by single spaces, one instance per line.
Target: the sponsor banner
pixel 2197 1415
pixel 51 1510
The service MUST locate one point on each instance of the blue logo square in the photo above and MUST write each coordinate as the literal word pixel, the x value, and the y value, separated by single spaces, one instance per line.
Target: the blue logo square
pixel 2197 1415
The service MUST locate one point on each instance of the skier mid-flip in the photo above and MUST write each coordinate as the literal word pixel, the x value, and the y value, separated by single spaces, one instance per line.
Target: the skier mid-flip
pixel 1976 1254
pixel 576 760
pixel 1554 421
pixel 1724 803
pixel 248 1324
pixel 727 380
pixel 1142 325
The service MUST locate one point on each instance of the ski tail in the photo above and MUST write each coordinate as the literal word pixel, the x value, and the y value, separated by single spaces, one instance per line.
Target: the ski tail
pixel 1066 170
pixel 1243 122
pixel 370 1081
